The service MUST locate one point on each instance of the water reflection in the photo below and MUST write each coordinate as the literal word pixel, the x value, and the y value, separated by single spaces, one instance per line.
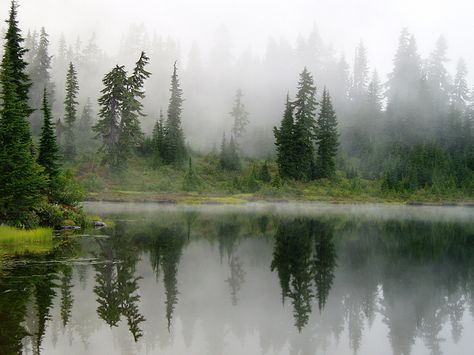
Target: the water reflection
pixel 246 283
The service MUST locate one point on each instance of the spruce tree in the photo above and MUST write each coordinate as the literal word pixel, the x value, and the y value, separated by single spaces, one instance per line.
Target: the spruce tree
pixel 305 113
pixel 70 112
pixel 20 181
pixel 130 131
pixel 84 133
pixel 240 116
pixel 229 156
pixel 174 151
pixel 285 144
pixel 326 138
pixel 158 138
pixel 108 126
pixel 460 92
pixel 48 156
pixel 361 74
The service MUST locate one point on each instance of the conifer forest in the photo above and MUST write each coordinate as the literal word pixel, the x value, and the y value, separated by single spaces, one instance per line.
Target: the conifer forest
pixel 309 164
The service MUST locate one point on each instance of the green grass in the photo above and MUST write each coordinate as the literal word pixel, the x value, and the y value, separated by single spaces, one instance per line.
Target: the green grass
pixel 18 241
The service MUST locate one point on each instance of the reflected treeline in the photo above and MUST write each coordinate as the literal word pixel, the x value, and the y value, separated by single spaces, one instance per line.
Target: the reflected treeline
pixel 27 292
pixel 336 275
pixel 305 259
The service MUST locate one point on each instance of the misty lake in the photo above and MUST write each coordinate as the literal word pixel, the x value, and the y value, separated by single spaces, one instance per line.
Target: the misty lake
pixel 253 279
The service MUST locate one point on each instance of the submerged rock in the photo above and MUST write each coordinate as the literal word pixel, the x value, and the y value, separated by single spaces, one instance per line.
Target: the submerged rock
pixel 99 224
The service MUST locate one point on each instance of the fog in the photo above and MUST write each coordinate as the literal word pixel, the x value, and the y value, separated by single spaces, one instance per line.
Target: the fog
pixel 257 46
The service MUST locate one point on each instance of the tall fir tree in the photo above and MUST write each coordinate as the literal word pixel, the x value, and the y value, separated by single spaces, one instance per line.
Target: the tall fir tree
pixel 326 138
pixel 84 134
pixel 108 126
pixel 285 143
pixel 48 156
pixel 305 113
pixel 460 91
pixel 70 112
pixel 174 151
pixel 20 180
pixel 39 71
pixel 130 131
pixel 240 116
pixel 119 125
pixel 361 75
pixel 158 138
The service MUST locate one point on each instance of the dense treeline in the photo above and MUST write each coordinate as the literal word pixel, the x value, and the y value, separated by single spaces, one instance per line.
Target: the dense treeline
pixel 413 132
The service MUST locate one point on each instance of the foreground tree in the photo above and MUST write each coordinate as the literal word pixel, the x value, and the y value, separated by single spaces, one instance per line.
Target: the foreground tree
pixel 305 114
pixel 39 71
pixel 174 150
pixel 326 138
pixel 70 109
pixel 119 125
pixel 284 141
pixel 48 156
pixel 20 181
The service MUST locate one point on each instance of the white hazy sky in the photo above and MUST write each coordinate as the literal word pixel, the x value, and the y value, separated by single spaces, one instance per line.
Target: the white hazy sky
pixel 251 22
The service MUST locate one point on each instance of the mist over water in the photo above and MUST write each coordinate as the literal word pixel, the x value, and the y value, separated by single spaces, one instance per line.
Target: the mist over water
pixel 261 279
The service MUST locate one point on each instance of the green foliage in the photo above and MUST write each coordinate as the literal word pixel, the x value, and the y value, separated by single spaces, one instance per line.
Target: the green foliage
pixel 20 180
pixel 229 157
pixel 326 139
pixel 48 156
pixel 70 112
pixel 264 173
pixel 192 182
pixel 284 141
pixel 173 147
pixel 119 125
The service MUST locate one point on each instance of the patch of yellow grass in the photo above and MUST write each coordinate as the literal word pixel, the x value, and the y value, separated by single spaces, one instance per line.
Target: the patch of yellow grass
pixel 19 241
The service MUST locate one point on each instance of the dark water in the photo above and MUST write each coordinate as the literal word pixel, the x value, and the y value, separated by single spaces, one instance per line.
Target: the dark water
pixel 259 279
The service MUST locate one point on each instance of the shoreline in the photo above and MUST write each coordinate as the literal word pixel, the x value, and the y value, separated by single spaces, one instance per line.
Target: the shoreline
pixel 241 199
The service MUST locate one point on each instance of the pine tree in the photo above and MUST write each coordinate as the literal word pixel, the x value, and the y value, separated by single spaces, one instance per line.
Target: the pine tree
pixel 39 71
pixel 229 156
pixel 70 112
pixel 240 116
pixel 48 156
pixel 119 126
pixel 130 131
pixel 20 181
pixel 84 131
pixel 158 138
pixel 361 74
pixel 326 138
pixel 284 141
pixel 174 151
pixel 108 126
pixel 460 92
pixel 438 77
pixel 304 112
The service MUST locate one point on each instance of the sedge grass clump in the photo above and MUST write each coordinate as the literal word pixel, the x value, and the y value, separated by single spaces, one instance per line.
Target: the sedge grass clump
pixel 20 241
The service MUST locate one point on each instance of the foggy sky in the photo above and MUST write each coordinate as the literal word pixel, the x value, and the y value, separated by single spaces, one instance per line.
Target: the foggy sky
pixel 252 22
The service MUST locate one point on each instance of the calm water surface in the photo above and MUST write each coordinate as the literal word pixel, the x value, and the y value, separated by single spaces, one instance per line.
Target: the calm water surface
pixel 258 279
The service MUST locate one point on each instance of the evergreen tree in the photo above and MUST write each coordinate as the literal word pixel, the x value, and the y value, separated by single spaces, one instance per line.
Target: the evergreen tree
pixel 438 77
pixel 361 74
pixel 326 138
pixel 304 111
pixel 20 181
pixel 158 138
pixel 174 151
pixel 119 126
pixel 240 116
pixel 460 92
pixel 70 112
pixel 284 141
pixel 229 157
pixel 130 131
pixel 48 156
pixel 108 126
pixel 84 131
pixel 39 71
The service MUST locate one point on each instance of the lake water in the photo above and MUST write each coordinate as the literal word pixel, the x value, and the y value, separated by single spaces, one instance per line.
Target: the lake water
pixel 254 279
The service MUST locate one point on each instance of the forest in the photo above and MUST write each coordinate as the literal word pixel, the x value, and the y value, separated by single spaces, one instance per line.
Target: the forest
pixel 299 122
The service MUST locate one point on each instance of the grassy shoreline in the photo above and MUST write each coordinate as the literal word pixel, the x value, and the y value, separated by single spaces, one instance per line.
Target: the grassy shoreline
pixel 235 199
